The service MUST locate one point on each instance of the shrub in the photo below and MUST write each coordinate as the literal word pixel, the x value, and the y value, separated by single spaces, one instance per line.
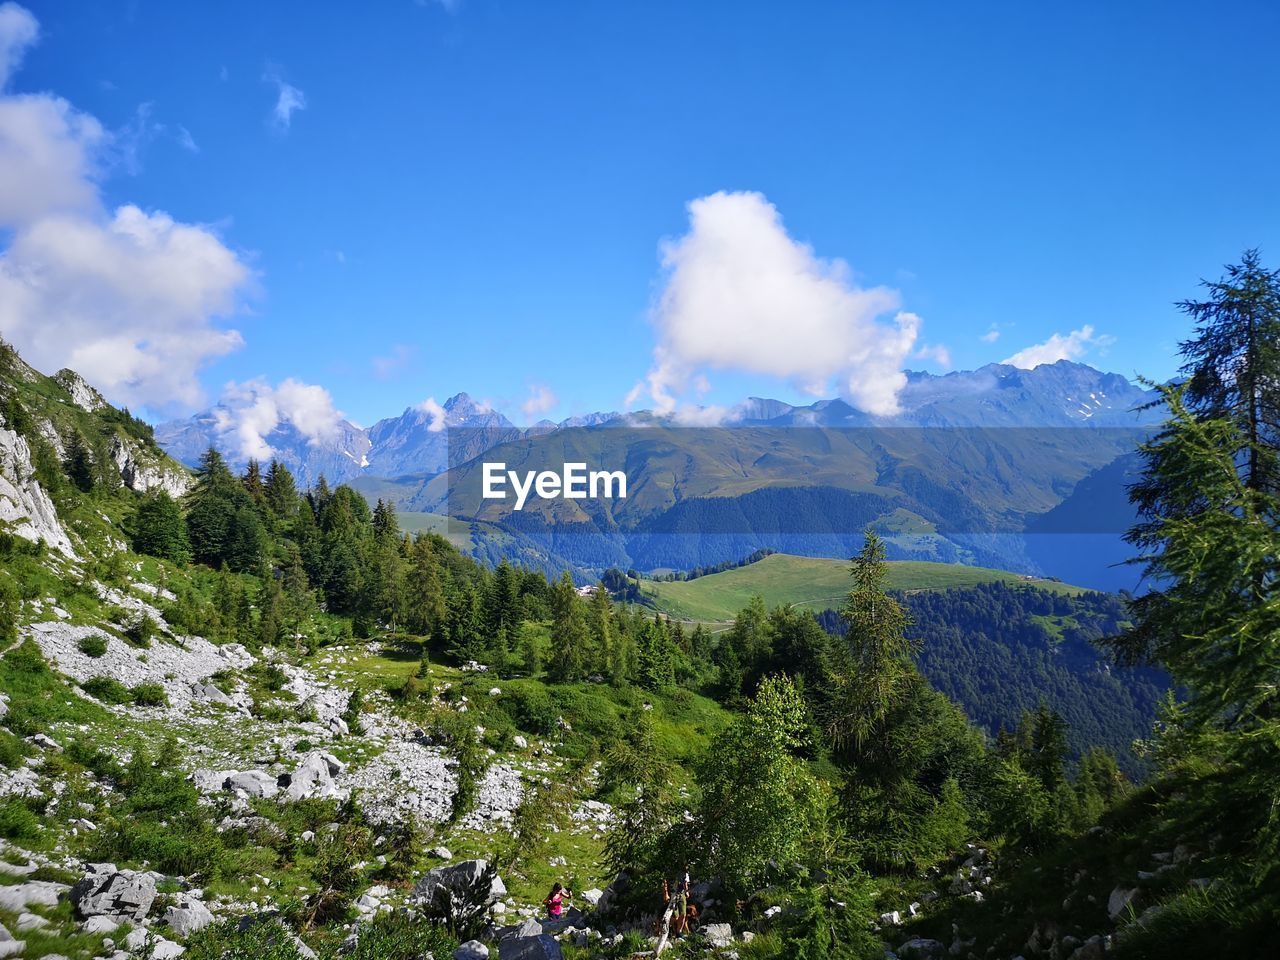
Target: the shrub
pixel 107 689
pixel 139 630
pixel 150 695
pixel 9 607
pixel 530 709
pixel 17 820
pixel 264 940
pixel 399 936
pixel 94 645
pixel 12 751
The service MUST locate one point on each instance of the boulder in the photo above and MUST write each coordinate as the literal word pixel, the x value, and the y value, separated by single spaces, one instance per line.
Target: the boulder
pixel 123 894
pixel 211 694
pixel 313 778
pixel 188 916
pixel 100 925
pixel 457 878
pixel 1121 899
pixel 529 948
pixel 160 948
pixel 12 948
pixel 918 948
pixel 339 726
pixel 442 852
pixel 471 950
pixel 30 921
pixel 528 927
pixel 42 893
pixel 592 896
pixel 253 783
pixel 211 781
pixel 4 705
pixel 718 934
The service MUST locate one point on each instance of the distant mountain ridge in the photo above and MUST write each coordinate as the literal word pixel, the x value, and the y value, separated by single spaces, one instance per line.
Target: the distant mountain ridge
pixel 416 443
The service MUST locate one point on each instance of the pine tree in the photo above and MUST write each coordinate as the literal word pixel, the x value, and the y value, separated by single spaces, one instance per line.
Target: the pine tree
pixel 600 619
pixel 1233 363
pixel 425 608
pixel 160 530
pixel 78 463
pixel 880 667
pixel 569 633
pixel 281 492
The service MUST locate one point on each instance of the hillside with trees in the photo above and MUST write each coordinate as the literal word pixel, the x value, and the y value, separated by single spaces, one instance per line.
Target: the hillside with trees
pixel 245 718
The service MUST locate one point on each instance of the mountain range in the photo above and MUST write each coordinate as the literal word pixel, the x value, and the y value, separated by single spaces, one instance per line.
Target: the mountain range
pixel 1000 466
pixel 416 443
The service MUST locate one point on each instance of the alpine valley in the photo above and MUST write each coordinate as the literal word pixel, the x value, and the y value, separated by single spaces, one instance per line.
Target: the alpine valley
pixel 987 467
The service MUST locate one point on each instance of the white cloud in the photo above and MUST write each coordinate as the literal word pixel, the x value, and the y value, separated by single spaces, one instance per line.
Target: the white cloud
pixel 18 31
pixel 541 399
pixel 129 298
pixel 936 352
pixel 1071 346
pixel 991 336
pixel 186 141
pixel 51 157
pixel 436 412
pixel 248 412
pixel 288 100
pixel 741 294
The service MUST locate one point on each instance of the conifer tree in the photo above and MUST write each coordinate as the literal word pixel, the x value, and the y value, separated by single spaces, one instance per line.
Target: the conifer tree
pixel 159 528
pixel 569 633
pixel 1233 363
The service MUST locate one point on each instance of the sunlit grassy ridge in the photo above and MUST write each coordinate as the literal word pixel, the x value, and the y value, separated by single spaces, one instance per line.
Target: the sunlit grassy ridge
pixel 812 582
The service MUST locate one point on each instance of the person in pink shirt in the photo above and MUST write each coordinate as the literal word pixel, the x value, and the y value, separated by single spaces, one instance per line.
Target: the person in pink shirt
pixel 555 901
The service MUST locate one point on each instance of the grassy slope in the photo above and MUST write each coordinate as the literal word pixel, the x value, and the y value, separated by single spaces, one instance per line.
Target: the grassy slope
pixel 812 582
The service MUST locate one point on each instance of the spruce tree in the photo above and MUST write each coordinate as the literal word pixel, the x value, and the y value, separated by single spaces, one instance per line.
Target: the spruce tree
pixel 569 633
pixel 1233 362
pixel 159 528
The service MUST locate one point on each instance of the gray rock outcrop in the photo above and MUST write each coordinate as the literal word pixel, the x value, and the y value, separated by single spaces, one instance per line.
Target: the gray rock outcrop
pixel 118 894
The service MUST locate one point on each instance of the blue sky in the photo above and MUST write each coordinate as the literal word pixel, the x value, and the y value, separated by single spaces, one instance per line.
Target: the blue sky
pixel 473 195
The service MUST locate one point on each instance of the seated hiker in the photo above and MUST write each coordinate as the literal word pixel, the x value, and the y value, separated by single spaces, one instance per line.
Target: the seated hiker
pixel 555 900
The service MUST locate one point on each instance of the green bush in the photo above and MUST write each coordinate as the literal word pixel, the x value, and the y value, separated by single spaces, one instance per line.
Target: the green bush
pixel 139 630
pixel 107 689
pixel 12 751
pixel 94 645
pixel 399 936
pixel 10 604
pixel 264 940
pixel 17 820
pixel 150 695
pixel 530 709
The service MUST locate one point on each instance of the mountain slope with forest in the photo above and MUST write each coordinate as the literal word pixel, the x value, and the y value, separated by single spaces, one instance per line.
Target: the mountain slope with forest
pixel 256 719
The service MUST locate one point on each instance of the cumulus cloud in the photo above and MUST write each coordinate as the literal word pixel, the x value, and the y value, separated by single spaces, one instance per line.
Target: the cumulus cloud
pixel 991 336
pixel 289 99
pixel 434 412
pixel 249 412
pixel 129 298
pixel 1071 346
pixel 18 32
pixel 741 294
pixel 541 399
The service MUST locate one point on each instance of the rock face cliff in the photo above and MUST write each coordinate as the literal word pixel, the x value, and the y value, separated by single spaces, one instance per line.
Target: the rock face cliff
pixel 41 420
pixel 25 507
